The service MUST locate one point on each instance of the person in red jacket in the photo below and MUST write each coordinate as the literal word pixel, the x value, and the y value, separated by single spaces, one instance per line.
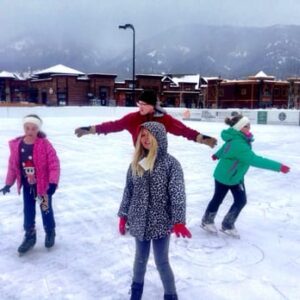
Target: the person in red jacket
pixel 149 110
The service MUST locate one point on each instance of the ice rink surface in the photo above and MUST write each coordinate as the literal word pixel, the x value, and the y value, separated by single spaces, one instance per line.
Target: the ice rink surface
pixel 92 261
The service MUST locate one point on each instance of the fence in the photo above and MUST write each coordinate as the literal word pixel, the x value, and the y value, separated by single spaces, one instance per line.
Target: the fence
pixel 272 116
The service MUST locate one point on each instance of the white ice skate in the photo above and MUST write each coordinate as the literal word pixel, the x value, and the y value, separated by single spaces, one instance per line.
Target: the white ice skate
pixel 209 227
pixel 231 232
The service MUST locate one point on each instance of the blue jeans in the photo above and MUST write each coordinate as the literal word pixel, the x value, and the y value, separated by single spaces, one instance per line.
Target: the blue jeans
pixel 161 257
pixel 29 193
pixel 239 201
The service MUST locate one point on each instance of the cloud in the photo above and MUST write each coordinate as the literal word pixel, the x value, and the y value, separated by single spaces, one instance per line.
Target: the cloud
pixel 96 21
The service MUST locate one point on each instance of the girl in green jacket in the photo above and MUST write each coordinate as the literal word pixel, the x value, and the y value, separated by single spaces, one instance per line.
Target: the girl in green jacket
pixel 235 157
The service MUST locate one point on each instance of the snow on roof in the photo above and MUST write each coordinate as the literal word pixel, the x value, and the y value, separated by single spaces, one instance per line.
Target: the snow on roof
pixel 167 77
pixel 5 74
pixel 59 69
pixel 150 75
pixel 186 79
pixel 206 79
pixel 83 78
pixel 21 76
pixel 262 74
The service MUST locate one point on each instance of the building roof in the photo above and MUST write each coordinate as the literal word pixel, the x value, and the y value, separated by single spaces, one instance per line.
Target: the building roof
pixel 205 80
pixel 252 81
pixel 59 69
pixel 150 75
pixel 176 79
pixel 102 74
pixel 5 74
pixel 262 75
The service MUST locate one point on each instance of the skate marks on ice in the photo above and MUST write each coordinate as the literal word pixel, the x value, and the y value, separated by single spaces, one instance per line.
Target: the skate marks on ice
pixel 206 250
pixel 211 257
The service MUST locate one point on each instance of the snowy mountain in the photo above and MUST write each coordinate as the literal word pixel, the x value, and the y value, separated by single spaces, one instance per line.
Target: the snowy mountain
pixel 226 51
pixel 39 52
pixel 209 50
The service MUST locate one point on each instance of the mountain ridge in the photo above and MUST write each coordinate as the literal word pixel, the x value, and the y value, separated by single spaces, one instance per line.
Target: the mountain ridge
pixel 227 51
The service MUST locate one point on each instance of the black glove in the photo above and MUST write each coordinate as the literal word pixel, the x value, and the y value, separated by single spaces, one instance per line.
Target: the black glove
pixel 5 189
pixel 51 189
pixel 83 131
pixel 86 128
pixel 207 140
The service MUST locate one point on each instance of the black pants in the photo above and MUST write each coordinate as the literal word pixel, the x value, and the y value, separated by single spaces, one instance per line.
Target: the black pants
pixel 29 193
pixel 239 201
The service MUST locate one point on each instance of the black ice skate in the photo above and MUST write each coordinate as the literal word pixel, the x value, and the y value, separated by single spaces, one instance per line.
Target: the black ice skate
pixel 50 239
pixel 28 242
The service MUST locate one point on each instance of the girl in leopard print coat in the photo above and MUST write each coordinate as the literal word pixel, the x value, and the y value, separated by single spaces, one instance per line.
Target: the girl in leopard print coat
pixel 153 205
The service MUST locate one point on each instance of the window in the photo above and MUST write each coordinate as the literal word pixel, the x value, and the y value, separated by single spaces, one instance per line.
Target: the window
pixel 62 98
pixel 276 92
pixel 284 92
pixel 244 92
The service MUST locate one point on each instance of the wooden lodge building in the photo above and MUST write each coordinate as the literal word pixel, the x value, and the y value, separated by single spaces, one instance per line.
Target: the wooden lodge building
pixel 61 85
pixel 259 91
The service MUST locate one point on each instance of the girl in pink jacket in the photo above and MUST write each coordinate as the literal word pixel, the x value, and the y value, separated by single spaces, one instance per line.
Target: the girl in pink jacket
pixel 34 165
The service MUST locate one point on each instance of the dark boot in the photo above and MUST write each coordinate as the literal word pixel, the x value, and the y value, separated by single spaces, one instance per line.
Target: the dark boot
pixel 50 238
pixel 171 297
pixel 28 241
pixel 209 218
pixel 136 291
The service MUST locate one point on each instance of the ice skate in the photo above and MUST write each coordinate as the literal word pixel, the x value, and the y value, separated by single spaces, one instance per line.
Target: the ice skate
pixel 231 232
pixel 28 242
pixel 50 239
pixel 209 227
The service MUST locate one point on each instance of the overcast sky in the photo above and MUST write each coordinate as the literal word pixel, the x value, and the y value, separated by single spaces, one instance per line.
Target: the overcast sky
pixel 86 20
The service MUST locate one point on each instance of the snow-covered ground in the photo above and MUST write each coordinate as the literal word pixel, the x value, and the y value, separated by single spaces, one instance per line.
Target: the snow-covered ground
pixel 92 261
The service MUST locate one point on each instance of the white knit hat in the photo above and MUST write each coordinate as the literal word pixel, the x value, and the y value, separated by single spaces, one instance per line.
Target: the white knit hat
pixel 241 123
pixel 34 120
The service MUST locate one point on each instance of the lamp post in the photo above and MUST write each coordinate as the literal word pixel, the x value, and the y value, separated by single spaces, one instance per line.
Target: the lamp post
pixel 133 57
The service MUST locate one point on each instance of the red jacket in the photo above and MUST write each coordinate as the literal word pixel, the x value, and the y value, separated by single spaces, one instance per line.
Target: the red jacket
pixel 131 123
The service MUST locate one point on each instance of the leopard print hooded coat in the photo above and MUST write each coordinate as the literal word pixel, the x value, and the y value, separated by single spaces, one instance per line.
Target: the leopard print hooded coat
pixel 156 201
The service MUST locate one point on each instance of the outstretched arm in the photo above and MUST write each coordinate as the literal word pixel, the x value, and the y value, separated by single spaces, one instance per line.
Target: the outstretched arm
pixel 248 156
pixel 105 127
pixel 176 127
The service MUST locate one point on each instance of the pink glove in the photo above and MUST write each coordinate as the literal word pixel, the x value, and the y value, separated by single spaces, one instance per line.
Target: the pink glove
pixel 284 169
pixel 180 229
pixel 214 157
pixel 122 225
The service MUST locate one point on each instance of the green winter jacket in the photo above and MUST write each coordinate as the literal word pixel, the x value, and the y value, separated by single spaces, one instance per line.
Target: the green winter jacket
pixel 235 158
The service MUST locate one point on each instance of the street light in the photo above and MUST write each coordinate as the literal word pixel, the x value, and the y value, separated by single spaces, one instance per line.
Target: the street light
pixel 133 58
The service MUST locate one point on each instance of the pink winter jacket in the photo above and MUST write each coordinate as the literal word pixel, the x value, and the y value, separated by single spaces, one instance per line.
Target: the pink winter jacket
pixel 45 160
